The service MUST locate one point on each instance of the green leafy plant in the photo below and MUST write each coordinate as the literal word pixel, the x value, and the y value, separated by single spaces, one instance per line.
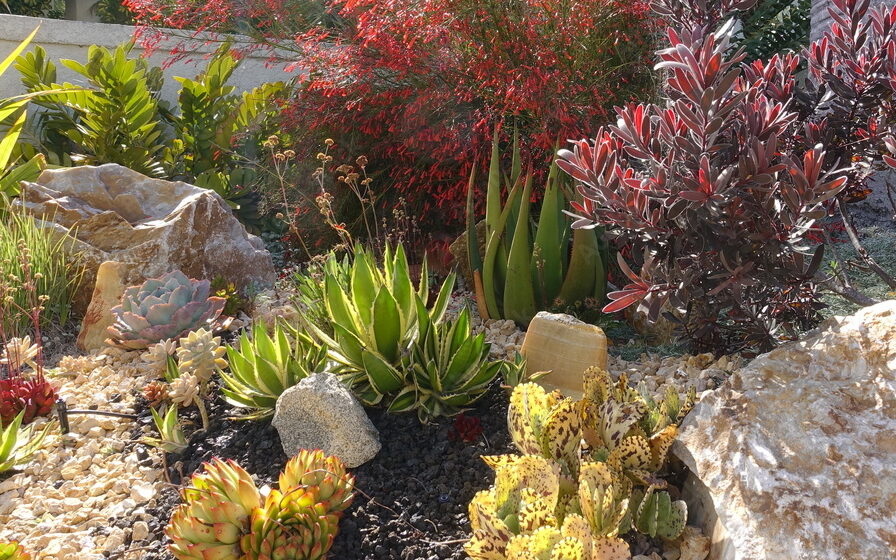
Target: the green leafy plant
pixel 54 9
pixel 526 268
pixel 12 116
pixel 449 368
pixel 171 434
pixel 121 120
pixel 263 366
pixel 13 551
pixel 375 320
pixel 234 300
pixel 163 308
pixel 774 27
pixel 17 444
pixel 112 11
pixel 117 121
pixel 224 516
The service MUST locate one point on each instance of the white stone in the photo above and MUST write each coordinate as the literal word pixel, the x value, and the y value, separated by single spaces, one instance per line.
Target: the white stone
pixel 793 457
pixel 321 413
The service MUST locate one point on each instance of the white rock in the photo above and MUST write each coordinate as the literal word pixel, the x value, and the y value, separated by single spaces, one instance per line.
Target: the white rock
pixel 795 453
pixel 321 413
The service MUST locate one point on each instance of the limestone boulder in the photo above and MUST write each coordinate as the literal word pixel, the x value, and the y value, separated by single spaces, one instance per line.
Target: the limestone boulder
pixel 566 347
pixel 149 225
pixel 794 456
pixel 321 413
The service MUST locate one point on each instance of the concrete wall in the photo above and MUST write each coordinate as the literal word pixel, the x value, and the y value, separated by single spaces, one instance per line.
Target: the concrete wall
pixel 71 39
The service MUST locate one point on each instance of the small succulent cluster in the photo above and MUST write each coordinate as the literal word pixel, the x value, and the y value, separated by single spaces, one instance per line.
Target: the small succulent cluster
pixel 225 517
pixel 13 551
pixel 30 397
pixel 19 352
pixel 163 308
pixel 199 356
pixel 587 474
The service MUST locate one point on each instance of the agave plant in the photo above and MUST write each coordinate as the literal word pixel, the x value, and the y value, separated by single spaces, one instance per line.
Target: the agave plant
pixel 215 513
pixel 375 319
pixel 263 366
pixel 449 370
pixel 163 308
pixel 17 444
pixel 13 551
pixel 525 271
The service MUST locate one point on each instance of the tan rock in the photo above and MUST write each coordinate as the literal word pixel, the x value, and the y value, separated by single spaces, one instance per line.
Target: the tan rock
pixel 564 346
pixel 107 291
pixel 792 457
pixel 150 225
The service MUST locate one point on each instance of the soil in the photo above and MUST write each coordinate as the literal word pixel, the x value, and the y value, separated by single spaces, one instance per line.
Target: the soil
pixel 412 497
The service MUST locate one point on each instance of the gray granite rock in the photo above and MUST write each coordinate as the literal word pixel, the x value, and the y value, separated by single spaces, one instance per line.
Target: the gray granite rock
pixel 321 413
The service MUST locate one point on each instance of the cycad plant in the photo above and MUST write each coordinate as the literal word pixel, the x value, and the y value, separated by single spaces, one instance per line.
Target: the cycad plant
pixel 527 266
pixel 374 319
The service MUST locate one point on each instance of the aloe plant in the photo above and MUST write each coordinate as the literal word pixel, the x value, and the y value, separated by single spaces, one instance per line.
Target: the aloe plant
pixel 529 267
pixel 171 434
pixel 374 319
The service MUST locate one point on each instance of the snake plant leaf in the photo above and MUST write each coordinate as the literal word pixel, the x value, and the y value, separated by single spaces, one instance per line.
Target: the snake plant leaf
pixel 490 278
pixel 519 294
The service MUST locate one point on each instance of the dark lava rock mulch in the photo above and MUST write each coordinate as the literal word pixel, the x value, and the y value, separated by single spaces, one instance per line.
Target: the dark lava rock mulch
pixel 411 501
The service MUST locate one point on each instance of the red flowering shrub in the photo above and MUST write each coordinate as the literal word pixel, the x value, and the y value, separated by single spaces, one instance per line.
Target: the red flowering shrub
pixel 419 85
pixel 712 190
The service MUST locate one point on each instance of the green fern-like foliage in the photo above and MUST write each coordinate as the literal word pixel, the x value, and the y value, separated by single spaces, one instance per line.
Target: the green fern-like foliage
pixel 775 26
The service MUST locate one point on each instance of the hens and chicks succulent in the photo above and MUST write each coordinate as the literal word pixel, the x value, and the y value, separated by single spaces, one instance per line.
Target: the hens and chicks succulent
pixel 225 517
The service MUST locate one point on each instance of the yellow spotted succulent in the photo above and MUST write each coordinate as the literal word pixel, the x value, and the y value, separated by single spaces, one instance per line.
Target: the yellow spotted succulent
pixel 574 489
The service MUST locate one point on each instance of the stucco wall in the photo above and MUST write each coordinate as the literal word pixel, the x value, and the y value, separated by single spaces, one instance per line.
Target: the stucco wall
pixel 71 39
